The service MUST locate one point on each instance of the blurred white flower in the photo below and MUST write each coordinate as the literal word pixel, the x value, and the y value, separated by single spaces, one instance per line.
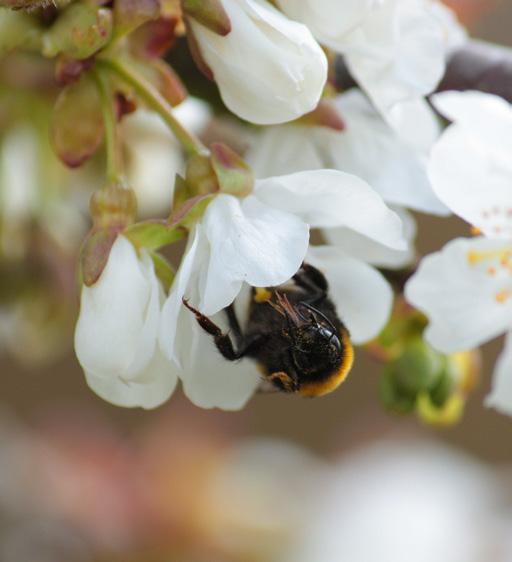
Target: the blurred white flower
pixel 154 156
pixel 466 289
pixel 117 331
pixel 269 69
pixel 470 166
pixel 397 502
pixel 262 241
pixel 395 49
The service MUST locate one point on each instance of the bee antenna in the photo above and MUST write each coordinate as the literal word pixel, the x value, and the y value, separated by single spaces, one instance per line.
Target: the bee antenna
pixel 321 314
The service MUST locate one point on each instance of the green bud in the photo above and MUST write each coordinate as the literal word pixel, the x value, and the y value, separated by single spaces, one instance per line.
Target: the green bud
pixel 81 30
pixel 418 368
pixel 113 207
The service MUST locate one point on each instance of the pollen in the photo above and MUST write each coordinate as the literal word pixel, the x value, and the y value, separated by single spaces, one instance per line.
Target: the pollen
pixel 262 295
pixel 503 296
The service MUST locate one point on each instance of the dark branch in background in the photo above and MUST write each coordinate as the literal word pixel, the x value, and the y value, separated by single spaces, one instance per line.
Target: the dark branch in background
pixel 477 66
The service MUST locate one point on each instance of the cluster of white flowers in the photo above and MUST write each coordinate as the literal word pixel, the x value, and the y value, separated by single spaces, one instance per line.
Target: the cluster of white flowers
pixel 135 339
pixel 466 288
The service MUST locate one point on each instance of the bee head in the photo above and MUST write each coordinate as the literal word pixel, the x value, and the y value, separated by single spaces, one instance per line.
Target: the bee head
pixel 315 349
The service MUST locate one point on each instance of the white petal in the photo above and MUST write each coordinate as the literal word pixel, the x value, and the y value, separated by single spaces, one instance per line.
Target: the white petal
pixel 195 253
pixel 151 388
pixel 286 149
pixel 249 242
pixel 269 69
pixel 328 198
pixel 460 296
pixel 318 16
pixel 209 380
pixel 486 116
pixel 401 54
pixel 370 149
pixel 154 156
pixel 500 396
pixel 115 332
pixel 473 178
pixel 371 251
pixel 362 296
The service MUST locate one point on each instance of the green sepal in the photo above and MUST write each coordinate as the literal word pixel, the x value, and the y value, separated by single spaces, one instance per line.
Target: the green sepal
pixel 210 13
pixel 154 234
pixel 94 254
pixel 77 126
pixel 18 29
pixel 131 14
pixel 80 31
pixel 163 270
pixel 190 212
pixel 234 175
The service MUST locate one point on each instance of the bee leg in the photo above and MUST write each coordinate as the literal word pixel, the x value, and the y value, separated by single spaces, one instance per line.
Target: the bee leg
pixel 313 281
pixel 235 325
pixel 222 341
pixel 283 381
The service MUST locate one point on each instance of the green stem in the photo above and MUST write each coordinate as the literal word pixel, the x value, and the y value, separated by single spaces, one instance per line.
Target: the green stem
pixel 157 102
pixel 112 147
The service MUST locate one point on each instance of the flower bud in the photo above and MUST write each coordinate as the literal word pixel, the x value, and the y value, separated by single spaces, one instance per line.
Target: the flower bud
pixel 113 208
pixel 80 31
pixel 268 68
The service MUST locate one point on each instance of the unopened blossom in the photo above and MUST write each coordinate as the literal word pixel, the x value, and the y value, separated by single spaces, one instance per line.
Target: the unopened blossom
pixel 117 331
pixel 262 240
pixel 154 156
pixel 395 49
pixel 466 289
pixel 268 68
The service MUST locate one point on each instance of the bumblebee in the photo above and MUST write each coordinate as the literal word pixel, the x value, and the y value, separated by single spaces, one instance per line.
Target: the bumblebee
pixel 293 333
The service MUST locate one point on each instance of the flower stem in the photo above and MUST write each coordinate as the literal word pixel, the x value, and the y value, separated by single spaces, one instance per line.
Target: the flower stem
pixel 157 102
pixel 114 165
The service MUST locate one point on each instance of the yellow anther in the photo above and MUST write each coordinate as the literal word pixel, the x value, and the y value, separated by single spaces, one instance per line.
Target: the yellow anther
pixel 262 295
pixel 503 296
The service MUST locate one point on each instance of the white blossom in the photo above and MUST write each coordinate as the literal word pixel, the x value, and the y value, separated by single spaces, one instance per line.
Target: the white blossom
pixel 154 156
pixel 117 330
pixel 396 501
pixel 261 241
pixel 466 289
pixel 395 49
pixel 470 166
pixel 268 68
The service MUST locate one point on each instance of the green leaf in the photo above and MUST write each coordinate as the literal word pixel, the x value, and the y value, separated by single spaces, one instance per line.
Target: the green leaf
pixel 77 122
pixel 154 234
pixel 163 270
pixel 80 31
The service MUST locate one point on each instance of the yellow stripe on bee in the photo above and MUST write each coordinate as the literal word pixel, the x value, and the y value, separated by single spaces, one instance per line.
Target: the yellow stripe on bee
pixel 330 384
pixel 262 295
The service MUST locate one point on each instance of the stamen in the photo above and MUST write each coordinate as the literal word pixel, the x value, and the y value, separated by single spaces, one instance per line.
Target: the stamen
pixel 503 296
pixel 504 256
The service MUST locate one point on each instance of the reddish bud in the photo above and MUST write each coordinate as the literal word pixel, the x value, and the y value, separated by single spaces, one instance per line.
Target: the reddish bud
pixel 77 122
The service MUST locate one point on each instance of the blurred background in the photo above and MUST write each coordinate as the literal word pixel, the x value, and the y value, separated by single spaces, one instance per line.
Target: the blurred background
pixel 336 479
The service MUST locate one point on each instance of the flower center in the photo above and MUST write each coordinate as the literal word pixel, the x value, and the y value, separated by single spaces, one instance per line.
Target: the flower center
pixel 495 263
